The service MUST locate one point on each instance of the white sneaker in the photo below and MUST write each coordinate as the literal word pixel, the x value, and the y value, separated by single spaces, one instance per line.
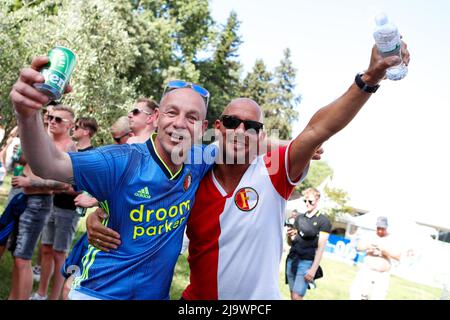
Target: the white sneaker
pixel 37 296
pixel 36 273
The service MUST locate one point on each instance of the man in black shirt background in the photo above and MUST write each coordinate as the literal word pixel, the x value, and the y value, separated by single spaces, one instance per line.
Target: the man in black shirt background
pixel 307 239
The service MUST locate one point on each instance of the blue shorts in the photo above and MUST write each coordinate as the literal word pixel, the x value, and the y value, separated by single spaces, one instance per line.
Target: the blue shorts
pixel 297 282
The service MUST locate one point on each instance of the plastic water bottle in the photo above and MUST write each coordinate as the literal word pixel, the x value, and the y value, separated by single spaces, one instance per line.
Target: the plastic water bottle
pixel 388 42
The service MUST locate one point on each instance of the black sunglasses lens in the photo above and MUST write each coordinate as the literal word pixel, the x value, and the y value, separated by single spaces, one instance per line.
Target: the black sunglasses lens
pixel 135 112
pixel 231 122
pixel 252 125
pixel 57 119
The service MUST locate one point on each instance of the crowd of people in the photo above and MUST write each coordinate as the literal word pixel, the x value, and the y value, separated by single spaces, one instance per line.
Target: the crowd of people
pixel 49 217
pixel 159 183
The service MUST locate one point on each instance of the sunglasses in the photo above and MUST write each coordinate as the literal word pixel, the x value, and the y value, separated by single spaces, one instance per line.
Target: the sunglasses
pixel 311 202
pixel 117 139
pixel 78 127
pixel 231 122
pixel 179 84
pixel 58 120
pixel 137 111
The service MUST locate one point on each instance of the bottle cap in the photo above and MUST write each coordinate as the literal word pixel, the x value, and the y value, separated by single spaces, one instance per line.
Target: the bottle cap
pixel 381 19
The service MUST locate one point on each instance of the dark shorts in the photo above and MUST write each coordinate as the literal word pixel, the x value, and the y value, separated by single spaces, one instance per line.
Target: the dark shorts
pixel 31 223
pixel 60 229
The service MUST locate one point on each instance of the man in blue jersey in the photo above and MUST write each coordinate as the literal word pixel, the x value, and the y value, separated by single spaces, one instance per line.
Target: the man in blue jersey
pixel 148 193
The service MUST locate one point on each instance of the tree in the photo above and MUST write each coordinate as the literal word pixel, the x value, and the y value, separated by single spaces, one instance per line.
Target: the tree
pixel 318 172
pixel 95 32
pixel 282 109
pixel 340 200
pixel 130 48
pixel 14 51
pixel 124 48
pixel 168 35
pixel 257 84
pixel 274 92
pixel 220 74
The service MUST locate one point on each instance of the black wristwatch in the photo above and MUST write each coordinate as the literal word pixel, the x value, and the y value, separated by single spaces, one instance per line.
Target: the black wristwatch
pixel 363 86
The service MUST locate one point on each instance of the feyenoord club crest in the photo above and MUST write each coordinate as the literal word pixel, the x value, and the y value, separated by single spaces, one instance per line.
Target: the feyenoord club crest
pixel 246 199
pixel 187 181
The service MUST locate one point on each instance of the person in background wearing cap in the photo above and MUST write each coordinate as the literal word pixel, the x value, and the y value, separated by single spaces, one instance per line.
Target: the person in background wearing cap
pixel 372 280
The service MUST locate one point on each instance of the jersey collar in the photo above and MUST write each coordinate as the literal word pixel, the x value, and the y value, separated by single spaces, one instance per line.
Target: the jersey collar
pixel 315 213
pixel 154 153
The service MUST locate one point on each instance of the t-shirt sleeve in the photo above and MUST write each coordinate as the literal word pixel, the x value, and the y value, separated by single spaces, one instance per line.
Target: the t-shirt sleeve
pixel 325 226
pixel 277 163
pixel 99 171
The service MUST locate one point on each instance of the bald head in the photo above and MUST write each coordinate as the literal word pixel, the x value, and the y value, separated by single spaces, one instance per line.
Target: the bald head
pixel 245 108
pixel 184 97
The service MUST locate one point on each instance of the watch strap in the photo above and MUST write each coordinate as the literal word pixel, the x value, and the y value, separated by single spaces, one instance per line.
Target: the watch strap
pixel 364 86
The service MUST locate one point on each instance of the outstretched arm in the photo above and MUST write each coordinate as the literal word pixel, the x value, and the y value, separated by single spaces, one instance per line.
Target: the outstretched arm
pixel 334 117
pixel 44 158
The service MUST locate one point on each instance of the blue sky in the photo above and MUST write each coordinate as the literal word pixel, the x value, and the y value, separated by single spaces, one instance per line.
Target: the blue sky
pixel 393 158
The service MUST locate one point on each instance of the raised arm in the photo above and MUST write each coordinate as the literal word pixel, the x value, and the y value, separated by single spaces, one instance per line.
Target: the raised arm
pixel 44 158
pixel 334 117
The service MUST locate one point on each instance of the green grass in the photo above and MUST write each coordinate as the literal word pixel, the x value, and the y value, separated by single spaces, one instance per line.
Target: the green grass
pixel 335 285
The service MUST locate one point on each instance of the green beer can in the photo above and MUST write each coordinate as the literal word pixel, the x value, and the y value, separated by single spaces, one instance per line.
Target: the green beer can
pixel 18 170
pixel 57 72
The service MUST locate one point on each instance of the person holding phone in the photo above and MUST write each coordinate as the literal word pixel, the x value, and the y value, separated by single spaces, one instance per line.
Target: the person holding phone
pixel 307 239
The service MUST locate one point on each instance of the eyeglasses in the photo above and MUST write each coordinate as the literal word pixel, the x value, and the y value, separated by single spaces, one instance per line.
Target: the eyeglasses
pixel 231 122
pixel 117 139
pixel 136 111
pixel 58 120
pixel 311 202
pixel 79 127
pixel 179 84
